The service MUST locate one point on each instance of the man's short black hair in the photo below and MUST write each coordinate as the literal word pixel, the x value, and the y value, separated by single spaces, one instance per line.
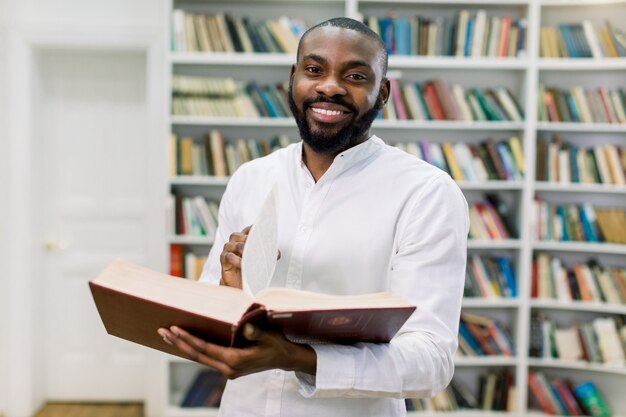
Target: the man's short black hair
pixel 347 23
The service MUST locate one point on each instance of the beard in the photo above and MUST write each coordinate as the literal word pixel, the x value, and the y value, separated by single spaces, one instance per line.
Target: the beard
pixel 326 141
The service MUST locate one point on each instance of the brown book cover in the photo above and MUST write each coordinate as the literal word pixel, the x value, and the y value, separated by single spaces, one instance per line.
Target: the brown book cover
pixel 134 301
pixel 495 158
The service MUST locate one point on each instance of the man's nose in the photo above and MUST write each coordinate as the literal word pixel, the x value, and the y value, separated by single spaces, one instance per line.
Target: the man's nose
pixel 330 86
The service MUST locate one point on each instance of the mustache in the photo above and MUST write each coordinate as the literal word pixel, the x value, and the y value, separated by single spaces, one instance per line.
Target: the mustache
pixel 324 99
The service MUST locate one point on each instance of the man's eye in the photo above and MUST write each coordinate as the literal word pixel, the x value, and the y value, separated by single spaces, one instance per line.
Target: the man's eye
pixel 312 70
pixel 357 77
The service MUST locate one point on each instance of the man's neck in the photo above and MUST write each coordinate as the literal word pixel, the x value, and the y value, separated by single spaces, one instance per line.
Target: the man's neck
pixel 318 163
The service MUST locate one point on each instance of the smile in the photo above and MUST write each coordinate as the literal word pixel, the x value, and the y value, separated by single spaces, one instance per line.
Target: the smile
pixel 326 112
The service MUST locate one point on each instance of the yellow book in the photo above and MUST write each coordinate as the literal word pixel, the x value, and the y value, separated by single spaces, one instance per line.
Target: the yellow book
pixel 518 154
pixel 173 154
pixel 455 170
pixel 186 167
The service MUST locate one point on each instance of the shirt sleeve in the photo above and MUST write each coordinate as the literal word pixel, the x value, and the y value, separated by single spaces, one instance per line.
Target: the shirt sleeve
pixel 427 267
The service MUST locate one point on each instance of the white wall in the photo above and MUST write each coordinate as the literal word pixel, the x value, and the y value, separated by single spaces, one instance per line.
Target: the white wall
pixel 4 12
pixel 21 17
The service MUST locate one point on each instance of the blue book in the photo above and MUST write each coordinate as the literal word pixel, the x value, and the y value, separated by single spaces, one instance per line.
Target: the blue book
pixel 386 34
pixel 468 38
pixel 588 227
pixel 465 334
pixel 571 105
pixel 507 160
pixel 509 277
pixel 569 40
pixel 402 33
pixel 420 97
pixel 560 211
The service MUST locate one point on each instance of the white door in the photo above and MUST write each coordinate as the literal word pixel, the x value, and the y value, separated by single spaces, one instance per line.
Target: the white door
pixel 92 205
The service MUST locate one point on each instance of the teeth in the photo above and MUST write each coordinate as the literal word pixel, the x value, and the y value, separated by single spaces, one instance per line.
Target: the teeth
pixel 327 112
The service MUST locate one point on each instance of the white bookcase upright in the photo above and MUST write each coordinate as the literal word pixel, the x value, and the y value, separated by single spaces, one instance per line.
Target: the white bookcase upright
pixel 522 75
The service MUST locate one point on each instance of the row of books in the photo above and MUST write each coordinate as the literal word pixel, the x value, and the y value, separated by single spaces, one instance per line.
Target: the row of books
pixel 192 216
pixel 582 40
pixel 194 32
pixel 490 219
pixel 496 391
pixel 205 390
pixel 580 105
pixel 489 160
pixel 566 163
pixel 582 223
pixel 583 281
pixel 489 276
pixel 436 100
pixel 603 340
pixel 214 155
pixel 558 396
pixel 480 336
pixel 185 263
pixel 202 96
pixel 465 35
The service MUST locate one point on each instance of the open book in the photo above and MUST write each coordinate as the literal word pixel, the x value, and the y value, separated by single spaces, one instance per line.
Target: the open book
pixel 134 301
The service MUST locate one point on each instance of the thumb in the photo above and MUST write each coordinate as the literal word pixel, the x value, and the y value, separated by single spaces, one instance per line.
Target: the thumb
pixel 252 333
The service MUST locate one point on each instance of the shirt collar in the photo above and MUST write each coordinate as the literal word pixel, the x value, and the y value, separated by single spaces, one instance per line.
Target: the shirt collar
pixel 350 156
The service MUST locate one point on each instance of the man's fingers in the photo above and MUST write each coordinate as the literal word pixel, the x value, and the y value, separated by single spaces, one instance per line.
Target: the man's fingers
pixel 246 230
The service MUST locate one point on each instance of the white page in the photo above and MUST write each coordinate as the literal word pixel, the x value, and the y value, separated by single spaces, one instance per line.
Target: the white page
pixel 260 253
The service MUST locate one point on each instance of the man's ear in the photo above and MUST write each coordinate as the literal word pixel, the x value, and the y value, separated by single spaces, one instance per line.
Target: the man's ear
pixel 385 90
pixel 293 71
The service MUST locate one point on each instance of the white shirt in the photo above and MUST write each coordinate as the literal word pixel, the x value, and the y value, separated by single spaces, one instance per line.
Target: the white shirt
pixel 378 220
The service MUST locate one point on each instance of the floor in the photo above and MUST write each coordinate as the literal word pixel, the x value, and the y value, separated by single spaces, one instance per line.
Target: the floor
pixel 90 410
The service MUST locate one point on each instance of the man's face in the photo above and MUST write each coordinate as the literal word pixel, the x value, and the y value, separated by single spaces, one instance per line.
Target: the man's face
pixel 336 88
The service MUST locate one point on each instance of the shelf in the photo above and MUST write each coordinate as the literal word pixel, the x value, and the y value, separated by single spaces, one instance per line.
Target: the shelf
pixel 493 244
pixel 581 64
pixel 580 188
pixel 462 413
pixel 594 307
pixel 452 62
pixel 585 247
pixel 480 302
pixel 484 361
pixel 191 240
pixel 578 365
pixel 233 121
pixel 581 127
pixel 208 180
pixel 229 58
pixel 570 3
pixel 446 125
pixel 395 61
pixel 490 185
pixel 458 2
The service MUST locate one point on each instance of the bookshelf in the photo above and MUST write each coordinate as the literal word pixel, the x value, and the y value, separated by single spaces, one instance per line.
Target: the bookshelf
pixel 522 75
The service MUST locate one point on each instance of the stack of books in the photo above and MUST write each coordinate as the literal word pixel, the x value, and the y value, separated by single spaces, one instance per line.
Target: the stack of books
pixel 480 336
pixel 579 223
pixel 582 40
pixel 583 282
pixel 185 263
pixel 192 32
pixel 465 35
pixel 489 160
pixel 566 163
pixel 557 396
pixel 580 105
pixel 192 216
pixel 489 277
pixel 436 100
pixel 491 219
pixel 216 156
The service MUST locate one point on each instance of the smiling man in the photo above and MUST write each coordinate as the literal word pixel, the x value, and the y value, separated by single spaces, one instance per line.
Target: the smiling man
pixel 355 216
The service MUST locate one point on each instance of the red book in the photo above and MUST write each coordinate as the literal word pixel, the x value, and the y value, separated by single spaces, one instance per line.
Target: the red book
pixel 606 104
pixel 539 395
pixel 505 30
pixel 568 397
pixel 534 280
pixel 133 302
pixel 396 96
pixel 177 260
pixel 434 106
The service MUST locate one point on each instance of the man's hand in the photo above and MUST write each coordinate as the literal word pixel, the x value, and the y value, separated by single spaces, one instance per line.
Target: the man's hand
pixel 271 351
pixel 231 259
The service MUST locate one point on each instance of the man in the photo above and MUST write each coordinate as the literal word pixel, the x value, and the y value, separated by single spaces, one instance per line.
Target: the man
pixel 355 216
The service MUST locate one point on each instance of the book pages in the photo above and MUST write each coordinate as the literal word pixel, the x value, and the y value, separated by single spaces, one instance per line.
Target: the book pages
pixel 260 254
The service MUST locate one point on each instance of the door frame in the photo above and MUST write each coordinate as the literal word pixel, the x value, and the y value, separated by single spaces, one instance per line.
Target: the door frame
pixel 24 390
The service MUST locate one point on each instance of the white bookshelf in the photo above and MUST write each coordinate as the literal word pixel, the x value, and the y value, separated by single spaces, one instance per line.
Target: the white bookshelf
pixel 523 76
